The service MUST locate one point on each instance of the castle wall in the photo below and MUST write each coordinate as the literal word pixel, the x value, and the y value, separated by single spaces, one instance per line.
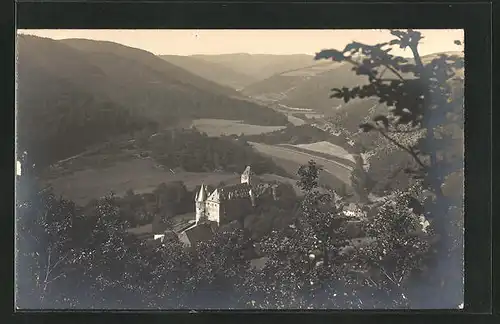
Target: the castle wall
pixel 200 210
pixel 235 209
pixel 226 204
pixel 212 210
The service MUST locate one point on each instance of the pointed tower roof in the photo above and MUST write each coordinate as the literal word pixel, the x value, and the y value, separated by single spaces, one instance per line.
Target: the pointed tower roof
pixel 215 196
pixel 248 170
pixel 202 194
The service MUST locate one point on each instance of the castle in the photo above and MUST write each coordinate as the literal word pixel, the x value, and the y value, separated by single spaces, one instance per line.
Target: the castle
pixel 224 205
pixel 226 201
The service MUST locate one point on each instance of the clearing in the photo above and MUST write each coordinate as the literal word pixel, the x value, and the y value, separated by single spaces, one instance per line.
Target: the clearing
pixel 295 120
pixel 140 175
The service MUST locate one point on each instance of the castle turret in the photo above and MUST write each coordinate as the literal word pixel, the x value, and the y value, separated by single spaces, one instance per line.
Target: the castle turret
pixel 200 199
pixel 247 176
pixel 252 197
pixel 274 193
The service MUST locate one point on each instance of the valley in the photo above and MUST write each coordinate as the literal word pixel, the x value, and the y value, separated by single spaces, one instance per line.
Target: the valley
pixel 99 171
pixel 179 169
pixel 279 104
pixel 76 93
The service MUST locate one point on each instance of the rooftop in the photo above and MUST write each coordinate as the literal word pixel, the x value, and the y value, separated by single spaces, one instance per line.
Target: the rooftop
pixel 180 222
pixel 199 233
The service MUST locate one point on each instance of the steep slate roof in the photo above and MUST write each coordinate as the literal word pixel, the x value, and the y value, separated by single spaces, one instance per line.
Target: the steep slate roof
pixel 202 194
pixel 248 171
pixel 237 191
pixel 199 233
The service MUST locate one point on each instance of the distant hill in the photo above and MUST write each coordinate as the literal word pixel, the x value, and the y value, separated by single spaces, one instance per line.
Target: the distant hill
pixel 260 66
pixel 212 71
pixel 310 88
pixel 74 93
pixel 99 51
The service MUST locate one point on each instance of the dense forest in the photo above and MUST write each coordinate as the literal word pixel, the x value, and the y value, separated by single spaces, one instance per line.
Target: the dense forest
pixel 193 151
pixel 63 248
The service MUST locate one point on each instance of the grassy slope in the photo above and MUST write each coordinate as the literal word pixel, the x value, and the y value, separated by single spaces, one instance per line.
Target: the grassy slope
pixel 88 181
pixel 336 169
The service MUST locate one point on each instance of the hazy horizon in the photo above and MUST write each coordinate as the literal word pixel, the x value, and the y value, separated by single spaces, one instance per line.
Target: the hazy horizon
pixel 246 41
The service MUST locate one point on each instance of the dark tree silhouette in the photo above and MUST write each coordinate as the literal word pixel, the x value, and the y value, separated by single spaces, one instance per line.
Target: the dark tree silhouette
pixel 309 176
pixel 423 95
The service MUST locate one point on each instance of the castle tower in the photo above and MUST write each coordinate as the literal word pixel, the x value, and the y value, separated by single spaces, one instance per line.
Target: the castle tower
pixel 213 206
pixel 273 190
pixel 247 176
pixel 200 198
pixel 252 197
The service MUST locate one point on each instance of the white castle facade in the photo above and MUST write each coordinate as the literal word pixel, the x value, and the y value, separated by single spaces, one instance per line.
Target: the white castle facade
pixel 218 207
pixel 233 199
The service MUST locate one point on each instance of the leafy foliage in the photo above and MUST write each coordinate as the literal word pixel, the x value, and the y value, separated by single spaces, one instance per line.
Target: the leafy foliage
pixel 426 100
pixel 98 265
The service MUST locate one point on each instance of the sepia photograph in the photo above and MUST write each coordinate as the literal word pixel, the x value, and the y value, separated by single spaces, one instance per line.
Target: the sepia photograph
pixel 239 169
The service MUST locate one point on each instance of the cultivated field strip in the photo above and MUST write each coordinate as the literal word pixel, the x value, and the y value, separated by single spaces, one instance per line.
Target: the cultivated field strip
pixel 337 169
pixel 218 127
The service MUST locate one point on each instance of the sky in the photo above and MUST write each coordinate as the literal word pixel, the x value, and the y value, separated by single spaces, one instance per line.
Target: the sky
pixel 298 41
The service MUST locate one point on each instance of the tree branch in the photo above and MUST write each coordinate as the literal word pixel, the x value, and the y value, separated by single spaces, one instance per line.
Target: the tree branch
pixel 385 273
pixel 395 72
pixel 409 151
pixel 59 261
pixel 418 59
pixel 55 278
pixel 374 76
pixel 47 268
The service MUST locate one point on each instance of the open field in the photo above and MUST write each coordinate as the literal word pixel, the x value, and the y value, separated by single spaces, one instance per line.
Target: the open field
pixel 295 120
pixel 141 175
pixel 337 169
pixel 327 148
pixel 292 167
pixel 218 127
pixel 333 158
